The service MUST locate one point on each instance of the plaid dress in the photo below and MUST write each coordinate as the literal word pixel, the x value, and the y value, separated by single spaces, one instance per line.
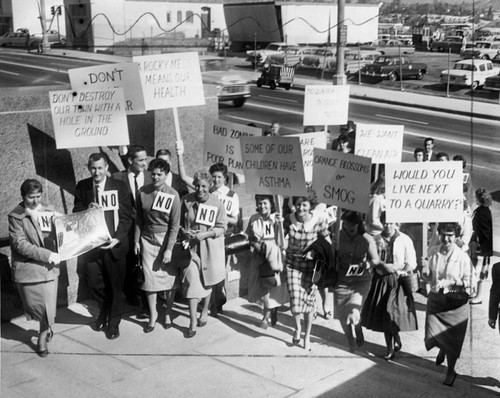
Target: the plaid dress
pixel 299 270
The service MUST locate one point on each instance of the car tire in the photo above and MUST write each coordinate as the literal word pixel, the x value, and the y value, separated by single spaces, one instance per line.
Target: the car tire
pixel 272 85
pixel 239 102
pixel 441 49
pixel 62 42
pixel 475 85
pixel 259 82
pixel 393 76
pixel 420 75
pixel 287 87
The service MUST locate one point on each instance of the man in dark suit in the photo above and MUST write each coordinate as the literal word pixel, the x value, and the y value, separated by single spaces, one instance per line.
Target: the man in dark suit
pixel 430 155
pixel 173 180
pixel 134 177
pixel 105 266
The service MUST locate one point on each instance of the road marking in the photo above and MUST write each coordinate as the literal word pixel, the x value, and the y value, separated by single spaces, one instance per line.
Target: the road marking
pixel 280 99
pixel 33 67
pixel 283 110
pixel 402 119
pixel 10 73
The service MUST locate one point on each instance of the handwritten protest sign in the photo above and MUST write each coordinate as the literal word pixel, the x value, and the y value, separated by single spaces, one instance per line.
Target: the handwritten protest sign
pixel 273 165
pixel 424 191
pixel 171 80
pixel 309 141
pixel 342 179
pixel 124 75
pixel 382 143
pixel 222 143
pixel 89 118
pixel 326 105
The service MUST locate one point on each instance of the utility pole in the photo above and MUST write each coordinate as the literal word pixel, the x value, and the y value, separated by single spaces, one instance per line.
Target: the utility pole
pixel 43 21
pixel 340 78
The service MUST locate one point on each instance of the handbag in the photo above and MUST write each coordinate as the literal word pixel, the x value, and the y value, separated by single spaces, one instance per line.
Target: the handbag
pixel 271 281
pixel 181 257
pixel 139 274
pixel 236 243
pixel 409 282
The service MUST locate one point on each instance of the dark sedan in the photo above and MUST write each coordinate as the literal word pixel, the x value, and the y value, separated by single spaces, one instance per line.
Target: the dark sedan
pixel 394 68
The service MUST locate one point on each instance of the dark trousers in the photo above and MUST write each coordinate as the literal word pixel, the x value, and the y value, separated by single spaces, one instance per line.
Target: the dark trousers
pixel 105 278
pixel 494 310
pixel 131 287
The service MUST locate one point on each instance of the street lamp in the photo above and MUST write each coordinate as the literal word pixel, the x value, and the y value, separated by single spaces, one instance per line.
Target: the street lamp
pixel 340 78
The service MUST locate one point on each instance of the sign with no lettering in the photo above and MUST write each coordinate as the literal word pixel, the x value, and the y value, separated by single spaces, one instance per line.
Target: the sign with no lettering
pixel 171 80
pixel 89 118
pixel 380 142
pixel 222 143
pixel 273 165
pixel 424 191
pixel 124 75
pixel 309 141
pixel 326 105
pixel 342 179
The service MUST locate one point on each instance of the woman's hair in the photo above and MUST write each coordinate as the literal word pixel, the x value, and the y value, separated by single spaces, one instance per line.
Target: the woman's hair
pixel 31 186
pixel 383 219
pixel 378 187
pixel 448 227
pixel 309 129
pixel 355 218
pixel 163 152
pixel 483 197
pixel 159 164
pixel 202 174
pixel 310 197
pixel 218 167
pixel 270 198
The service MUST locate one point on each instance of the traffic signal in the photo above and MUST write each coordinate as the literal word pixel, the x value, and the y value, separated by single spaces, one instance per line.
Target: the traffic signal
pixel 59 10
pixel 53 10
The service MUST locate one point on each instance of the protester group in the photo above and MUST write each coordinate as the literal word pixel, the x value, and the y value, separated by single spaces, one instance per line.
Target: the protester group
pixel 169 233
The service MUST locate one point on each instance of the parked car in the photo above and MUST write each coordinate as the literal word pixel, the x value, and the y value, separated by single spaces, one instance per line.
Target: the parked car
pixel 18 39
pixel 258 57
pixel 291 57
pixel 482 50
pixel 355 60
pixel 469 72
pixel 230 86
pixel 492 83
pixel 389 47
pixel 391 67
pixel 318 58
pixel 453 42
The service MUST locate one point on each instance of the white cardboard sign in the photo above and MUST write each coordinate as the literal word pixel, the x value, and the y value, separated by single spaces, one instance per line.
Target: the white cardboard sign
pixel 383 143
pixel 273 165
pixel 124 75
pixel 424 192
pixel 342 179
pixel 222 143
pixel 309 141
pixel 171 80
pixel 89 118
pixel 326 105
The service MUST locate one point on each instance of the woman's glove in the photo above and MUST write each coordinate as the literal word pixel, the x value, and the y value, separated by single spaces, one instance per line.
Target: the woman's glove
pixel 54 258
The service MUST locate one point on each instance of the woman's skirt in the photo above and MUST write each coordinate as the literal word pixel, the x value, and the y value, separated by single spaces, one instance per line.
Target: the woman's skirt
pixel 157 276
pixel 192 279
pixel 349 296
pixel 271 297
pixel 386 308
pixel 39 300
pixel 446 323
pixel 301 289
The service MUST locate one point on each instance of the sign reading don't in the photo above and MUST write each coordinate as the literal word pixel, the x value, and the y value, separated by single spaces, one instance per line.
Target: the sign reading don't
pixel 171 80
pixel 124 75
pixel 89 118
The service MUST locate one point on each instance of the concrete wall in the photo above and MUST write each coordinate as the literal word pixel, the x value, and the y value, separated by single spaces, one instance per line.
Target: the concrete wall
pixel 29 151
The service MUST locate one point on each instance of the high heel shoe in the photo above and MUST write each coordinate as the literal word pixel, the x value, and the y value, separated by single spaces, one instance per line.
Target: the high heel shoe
pixel 42 351
pixel 390 356
pixel 190 333
pixel 149 328
pixel 440 358
pixel 398 345
pixel 296 340
pixel 450 379
pixel 50 334
pixel 202 322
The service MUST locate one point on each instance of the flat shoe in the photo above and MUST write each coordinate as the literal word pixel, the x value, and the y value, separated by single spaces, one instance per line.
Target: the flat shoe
pixel 149 329
pixel 42 353
pixel 190 333
pixel 450 379
pixel 390 356
pixel 202 323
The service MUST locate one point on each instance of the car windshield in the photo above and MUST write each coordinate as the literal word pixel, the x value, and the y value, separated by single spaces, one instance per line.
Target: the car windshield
pixel 464 67
pixel 351 57
pixel 383 60
pixel 273 47
pixel 483 45
pixel 210 65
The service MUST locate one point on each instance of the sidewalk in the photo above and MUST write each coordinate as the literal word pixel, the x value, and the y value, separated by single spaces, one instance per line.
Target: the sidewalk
pixel 231 356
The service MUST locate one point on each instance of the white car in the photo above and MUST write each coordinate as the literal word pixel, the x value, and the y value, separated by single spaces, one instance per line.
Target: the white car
pixel 482 50
pixel 230 86
pixel 469 72
pixel 258 57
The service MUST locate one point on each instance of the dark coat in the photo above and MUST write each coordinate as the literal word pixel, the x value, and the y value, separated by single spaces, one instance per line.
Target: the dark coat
pixel 482 226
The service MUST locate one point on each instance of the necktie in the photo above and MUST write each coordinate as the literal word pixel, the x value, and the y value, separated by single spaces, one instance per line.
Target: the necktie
pixel 136 187
pixel 97 194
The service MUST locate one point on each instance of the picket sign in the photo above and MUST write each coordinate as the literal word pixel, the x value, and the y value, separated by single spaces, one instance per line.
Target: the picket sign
pixel 280 233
